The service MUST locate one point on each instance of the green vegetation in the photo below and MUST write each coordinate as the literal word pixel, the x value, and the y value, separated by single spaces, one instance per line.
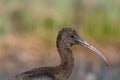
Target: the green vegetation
pixel 101 19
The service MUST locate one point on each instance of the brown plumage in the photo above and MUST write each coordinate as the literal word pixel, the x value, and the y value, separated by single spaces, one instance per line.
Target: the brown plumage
pixel 66 38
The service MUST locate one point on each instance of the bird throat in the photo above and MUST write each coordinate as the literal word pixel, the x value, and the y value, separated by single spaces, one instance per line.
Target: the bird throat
pixel 67 60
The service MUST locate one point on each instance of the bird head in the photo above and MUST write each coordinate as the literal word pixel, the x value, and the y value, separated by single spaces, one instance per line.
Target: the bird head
pixel 70 37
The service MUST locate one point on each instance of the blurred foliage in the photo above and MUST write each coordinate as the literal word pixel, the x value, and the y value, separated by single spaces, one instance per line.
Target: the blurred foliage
pixel 100 17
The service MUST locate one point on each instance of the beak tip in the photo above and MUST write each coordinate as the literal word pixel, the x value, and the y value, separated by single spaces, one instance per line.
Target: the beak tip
pixel 107 64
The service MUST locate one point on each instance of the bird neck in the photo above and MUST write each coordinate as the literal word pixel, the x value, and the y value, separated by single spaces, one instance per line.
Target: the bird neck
pixel 67 60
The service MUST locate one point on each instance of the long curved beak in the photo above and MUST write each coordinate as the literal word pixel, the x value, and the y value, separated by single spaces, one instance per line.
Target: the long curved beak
pixel 85 44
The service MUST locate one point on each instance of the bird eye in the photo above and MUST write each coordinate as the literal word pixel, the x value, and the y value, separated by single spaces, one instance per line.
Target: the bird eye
pixel 72 36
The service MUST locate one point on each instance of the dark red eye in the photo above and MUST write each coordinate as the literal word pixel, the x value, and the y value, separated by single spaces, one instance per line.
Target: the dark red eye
pixel 72 36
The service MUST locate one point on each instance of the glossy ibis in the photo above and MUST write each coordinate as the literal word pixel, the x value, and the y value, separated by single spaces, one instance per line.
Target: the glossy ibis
pixel 66 38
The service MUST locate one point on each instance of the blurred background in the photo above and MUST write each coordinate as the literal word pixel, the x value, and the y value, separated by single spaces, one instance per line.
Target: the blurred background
pixel 28 31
